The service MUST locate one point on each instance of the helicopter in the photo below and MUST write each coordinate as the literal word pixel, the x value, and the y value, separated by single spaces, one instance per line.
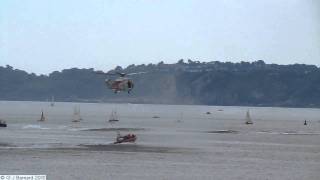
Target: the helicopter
pixel 122 83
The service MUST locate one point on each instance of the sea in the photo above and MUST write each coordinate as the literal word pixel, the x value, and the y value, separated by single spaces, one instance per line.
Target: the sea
pixel 173 142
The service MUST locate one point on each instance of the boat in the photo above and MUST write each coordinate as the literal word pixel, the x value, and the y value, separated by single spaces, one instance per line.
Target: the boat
pixel 76 115
pixel 155 117
pixel 52 101
pixel 42 118
pixel 248 118
pixel 208 112
pixel 129 138
pixel 180 118
pixel 113 117
pixel 3 123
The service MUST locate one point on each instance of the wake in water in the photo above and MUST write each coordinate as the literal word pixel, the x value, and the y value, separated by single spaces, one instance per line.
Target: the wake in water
pixel 289 132
pixel 33 126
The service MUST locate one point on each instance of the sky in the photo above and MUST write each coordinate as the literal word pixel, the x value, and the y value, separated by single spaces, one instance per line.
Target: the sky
pixel 42 36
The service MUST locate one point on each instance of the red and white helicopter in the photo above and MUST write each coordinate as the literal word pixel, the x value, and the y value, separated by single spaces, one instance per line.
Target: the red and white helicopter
pixel 122 83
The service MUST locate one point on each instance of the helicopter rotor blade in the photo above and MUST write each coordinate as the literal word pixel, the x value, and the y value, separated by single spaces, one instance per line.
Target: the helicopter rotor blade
pixel 136 73
pixel 100 72
pixel 119 73
pixel 103 73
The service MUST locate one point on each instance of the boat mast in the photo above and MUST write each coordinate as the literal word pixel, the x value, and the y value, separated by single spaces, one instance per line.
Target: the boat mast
pixel 52 101
pixel 42 118
pixel 76 115
pixel 248 118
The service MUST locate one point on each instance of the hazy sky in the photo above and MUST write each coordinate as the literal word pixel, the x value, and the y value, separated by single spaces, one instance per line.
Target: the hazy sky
pixel 41 35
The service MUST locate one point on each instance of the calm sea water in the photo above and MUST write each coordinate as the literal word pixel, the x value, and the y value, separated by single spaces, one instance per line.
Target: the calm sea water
pixel 205 138
pixel 23 125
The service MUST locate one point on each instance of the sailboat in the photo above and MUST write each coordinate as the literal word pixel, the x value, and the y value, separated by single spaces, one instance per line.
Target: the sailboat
pixel 42 118
pixel 180 118
pixel 76 115
pixel 52 101
pixel 248 118
pixel 113 117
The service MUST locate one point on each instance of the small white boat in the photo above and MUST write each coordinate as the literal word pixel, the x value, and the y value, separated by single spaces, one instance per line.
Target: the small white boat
pixel 113 117
pixel 42 118
pixel 180 118
pixel 76 115
pixel 52 101
pixel 248 118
